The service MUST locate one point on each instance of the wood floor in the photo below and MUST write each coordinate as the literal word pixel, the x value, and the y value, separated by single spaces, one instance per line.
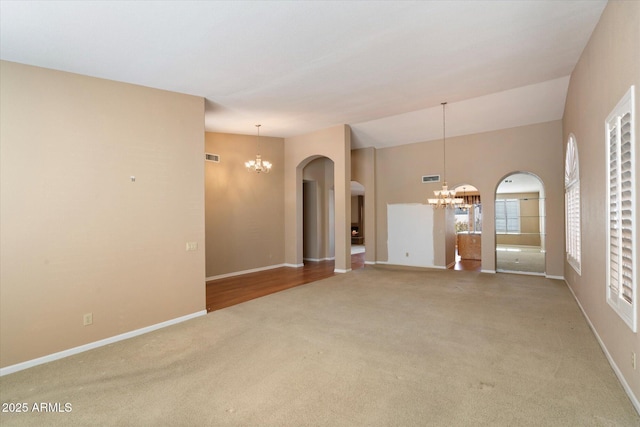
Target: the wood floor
pixel 230 291
pixel 467 265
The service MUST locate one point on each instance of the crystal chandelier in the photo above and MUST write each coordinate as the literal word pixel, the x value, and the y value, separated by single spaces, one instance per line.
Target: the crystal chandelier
pixel 258 165
pixel 444 198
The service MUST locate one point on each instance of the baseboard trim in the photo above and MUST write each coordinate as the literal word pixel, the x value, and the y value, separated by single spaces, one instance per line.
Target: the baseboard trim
pixel 616 370
pixel 548 276
pixel 488 271
pixel 390 264
pixel 319 259
pixel 86 347
pixel 239 273
pixel 340 270
pixel 370 262
pixel 524 273
pixel 293 265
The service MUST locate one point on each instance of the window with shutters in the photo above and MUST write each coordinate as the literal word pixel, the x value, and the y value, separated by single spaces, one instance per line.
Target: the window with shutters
pixel 621 236
pixel 572 204
pixel 507 216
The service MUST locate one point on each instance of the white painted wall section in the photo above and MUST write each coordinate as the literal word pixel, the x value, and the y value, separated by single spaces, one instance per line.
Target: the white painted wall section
pixel 410 234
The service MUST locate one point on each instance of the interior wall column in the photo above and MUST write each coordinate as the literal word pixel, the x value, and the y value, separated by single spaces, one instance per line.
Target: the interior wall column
pixel 335 144
pixel 342 180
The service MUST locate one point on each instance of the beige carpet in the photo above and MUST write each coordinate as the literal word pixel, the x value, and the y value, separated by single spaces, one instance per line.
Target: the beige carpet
pixel 525 259
pixel 374 347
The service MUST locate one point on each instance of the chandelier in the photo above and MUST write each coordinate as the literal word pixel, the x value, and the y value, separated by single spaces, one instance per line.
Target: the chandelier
pixel 469 201
pixel 258 165
pixel 444 198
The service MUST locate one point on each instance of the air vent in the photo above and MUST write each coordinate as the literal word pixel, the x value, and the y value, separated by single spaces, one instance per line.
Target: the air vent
pixel 212 157
pixel 430 178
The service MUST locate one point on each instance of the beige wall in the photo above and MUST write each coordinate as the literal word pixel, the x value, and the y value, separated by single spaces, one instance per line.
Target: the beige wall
pixel 481 160
pixel 354 209
pixel 609 65
pixel 363 170
pixel 244 210
pixel 311 225
pixel 335 144
pixel 78 236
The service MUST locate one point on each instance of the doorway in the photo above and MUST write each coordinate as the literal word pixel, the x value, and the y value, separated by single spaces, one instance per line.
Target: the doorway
pixel 468 217
pixel 357 217
pixel 318 211
pixel 520 224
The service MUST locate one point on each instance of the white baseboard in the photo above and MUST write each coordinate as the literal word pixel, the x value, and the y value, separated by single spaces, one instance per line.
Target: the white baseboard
pixel 623 381
pixel 319 259
pixel 252 270
pixel 75 350
pixel 488 271
pixel 392 264
pixel 370 262
pixel 548 276
pixel 340 270
pixel 294 265
pixel 524 273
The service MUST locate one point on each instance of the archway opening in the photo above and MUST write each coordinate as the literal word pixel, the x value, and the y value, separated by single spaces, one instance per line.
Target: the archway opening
pixel 468 217
pixel 318 210
pixel 520 224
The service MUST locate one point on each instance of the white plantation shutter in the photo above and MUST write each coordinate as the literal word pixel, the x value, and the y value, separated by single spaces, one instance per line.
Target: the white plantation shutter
pixel 513 216
pixel 626 209
pixel 621 280
pixel 507 216
pixel 501 217
pixel 572 204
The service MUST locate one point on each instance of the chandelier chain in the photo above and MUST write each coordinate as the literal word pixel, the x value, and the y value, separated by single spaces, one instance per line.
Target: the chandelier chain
pixel 444 143
pixel 444 198
pixel 258 143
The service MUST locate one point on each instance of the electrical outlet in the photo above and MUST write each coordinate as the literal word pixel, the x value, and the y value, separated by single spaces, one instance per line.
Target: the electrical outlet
pixel 87 319
pixel 192 246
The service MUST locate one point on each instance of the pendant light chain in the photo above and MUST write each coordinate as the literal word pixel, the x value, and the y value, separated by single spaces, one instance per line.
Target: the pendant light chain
pixel 444 198
pixel 258 143
pixel 444 143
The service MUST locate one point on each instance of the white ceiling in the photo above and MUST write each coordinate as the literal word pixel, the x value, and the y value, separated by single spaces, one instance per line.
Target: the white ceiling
pixel 296 67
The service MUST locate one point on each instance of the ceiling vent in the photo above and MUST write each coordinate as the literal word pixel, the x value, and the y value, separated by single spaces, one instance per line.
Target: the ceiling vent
pixel 212 157
pixel 430 178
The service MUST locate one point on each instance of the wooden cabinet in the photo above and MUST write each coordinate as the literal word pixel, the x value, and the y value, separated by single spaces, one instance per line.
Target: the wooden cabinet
pixel 470 246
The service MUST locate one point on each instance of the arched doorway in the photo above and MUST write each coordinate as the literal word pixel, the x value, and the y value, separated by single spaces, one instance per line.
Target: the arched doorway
pixel 520 224
pixel 332 143
pixel 318 216
pixel 468 219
